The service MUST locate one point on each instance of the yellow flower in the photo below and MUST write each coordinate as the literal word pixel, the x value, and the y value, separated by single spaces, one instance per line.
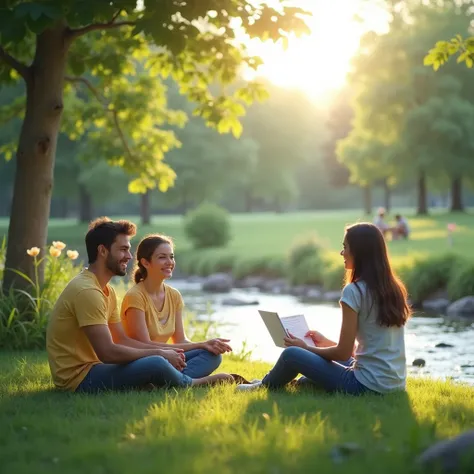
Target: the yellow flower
pixel 72 254
pixel 57 244
pixel 33 251
pixel 54 252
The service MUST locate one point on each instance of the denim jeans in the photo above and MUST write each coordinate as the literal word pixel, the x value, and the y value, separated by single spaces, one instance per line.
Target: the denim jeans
pixel 201 363
pixel 330 376
pixel 154 370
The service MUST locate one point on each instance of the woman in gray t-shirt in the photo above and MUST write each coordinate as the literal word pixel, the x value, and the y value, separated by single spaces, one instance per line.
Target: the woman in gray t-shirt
pixel 374 312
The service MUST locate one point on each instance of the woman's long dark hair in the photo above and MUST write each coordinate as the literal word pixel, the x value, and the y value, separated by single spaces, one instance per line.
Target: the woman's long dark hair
pixel 145 250
pixel 371 265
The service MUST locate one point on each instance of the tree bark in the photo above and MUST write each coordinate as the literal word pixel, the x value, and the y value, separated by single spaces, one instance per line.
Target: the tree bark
pixel 422 201
pixel 36 153
pixel 145 208
pixel 456 195
pixel 367 199
pixel 85 205
pixel 387 196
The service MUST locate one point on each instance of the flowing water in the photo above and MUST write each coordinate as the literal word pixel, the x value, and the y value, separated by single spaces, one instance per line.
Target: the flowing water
pixel 245 328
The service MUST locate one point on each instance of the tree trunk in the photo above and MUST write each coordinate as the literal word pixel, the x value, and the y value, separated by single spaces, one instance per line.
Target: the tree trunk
pixel 367 199
pixel 85 205
pixel 36 153
pixel 387 196
pixel 422 201
pixel 456 195
pixel 145 208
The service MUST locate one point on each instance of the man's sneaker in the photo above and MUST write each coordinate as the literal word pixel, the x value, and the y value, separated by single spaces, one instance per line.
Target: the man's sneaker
pixel 249 387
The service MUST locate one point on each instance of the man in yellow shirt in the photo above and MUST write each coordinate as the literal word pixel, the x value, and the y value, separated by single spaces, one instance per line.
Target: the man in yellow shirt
pixel 88 349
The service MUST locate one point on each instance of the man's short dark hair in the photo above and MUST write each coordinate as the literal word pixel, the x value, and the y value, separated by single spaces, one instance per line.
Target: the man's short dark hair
pixel 104 231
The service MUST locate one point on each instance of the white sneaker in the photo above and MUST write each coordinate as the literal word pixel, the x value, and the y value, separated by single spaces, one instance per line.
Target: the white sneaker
pixel 248 387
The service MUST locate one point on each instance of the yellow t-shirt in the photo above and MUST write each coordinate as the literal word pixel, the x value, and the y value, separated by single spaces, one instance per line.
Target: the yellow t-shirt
pixel 161 324
pixel 82 303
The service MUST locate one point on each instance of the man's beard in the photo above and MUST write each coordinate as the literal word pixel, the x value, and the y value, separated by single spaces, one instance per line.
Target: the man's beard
pixel 114 266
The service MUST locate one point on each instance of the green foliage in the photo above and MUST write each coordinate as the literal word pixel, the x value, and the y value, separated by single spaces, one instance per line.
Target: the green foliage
pixel 443 50
pixel 305 262
pixel 267 266
pixel 334 273
pixel 461 281
pixel 208 226
pixel 119 56
pixel 428 275
pixel 24 314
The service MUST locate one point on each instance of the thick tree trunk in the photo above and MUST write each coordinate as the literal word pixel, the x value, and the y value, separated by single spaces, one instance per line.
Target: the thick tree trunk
pixel 36 153
pixel 422 201
pixel 387 196
pixel 367 199
pixel 145 208
pixel 456 195
pixel 85 205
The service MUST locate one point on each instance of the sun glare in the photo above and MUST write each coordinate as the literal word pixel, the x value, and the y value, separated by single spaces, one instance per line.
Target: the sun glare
pixel 319 63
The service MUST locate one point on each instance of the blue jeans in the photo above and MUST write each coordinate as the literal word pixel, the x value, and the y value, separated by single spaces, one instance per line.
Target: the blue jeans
pixel 201 363
pixel 154 370
pixel 330 376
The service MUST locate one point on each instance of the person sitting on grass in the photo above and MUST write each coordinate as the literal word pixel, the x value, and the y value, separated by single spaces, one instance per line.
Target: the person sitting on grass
pixel 88 350
pixel 401 229
pixel 374 312
pixel 152 311
pixel 379 221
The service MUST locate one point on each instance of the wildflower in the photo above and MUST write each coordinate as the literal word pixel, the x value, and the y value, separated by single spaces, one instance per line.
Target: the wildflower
pixel 72 254
pixel 54 252
pixel 57 244
pixel 33 251
pixel 451 227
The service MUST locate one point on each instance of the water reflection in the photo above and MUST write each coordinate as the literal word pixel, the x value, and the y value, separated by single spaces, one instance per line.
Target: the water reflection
pixel 423 332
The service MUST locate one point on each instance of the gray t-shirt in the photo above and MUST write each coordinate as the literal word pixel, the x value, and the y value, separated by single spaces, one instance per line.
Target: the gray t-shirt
pixel 380 361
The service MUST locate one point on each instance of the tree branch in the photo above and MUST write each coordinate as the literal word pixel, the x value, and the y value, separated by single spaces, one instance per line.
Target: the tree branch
pixel 75 33
pixel 103 101
pixel 18 66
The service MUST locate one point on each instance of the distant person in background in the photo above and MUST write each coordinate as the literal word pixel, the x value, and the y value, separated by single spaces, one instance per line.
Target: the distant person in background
pixel 379 221
pixel 401 229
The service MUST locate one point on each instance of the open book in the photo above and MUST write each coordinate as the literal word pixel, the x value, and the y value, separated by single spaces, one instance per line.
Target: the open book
pixel 279 327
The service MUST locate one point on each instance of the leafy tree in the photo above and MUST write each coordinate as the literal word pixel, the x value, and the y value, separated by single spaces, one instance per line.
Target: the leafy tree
pixel 389 88
pixel 96 45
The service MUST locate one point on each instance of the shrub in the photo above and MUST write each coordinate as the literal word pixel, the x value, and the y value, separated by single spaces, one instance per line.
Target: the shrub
pixel 304 249
pixel 309 272
pixel 267 266
pixel 24 314
pixel 208 226
pixel 461 282
pixel 334 273
pixel 305 262
pixel 429 275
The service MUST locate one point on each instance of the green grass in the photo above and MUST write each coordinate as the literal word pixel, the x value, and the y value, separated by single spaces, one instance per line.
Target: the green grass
pixel 268 234
pixel 216 430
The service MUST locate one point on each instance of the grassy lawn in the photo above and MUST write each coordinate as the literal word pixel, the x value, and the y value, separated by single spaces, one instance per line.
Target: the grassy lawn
pixel 261 234
pixel 217 430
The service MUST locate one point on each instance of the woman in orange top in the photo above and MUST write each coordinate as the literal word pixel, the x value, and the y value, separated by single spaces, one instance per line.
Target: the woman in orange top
pixel 152 310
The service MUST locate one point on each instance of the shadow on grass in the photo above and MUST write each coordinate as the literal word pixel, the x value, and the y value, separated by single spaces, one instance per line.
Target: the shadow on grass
pixel 218 430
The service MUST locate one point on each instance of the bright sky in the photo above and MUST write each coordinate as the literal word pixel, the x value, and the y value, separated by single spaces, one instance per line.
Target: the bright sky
pixel 318 63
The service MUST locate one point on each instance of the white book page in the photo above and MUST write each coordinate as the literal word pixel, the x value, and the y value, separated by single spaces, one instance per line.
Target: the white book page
pixel 297 326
